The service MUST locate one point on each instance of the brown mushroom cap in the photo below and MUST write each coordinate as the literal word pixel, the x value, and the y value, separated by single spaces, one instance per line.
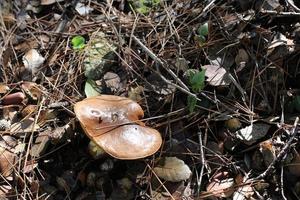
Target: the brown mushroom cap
pixel 113 123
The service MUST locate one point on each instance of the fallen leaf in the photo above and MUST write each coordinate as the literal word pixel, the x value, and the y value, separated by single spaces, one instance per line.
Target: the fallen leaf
pixel 33 90
pixel 7 157
pixel 220 186
pixel 112 81
pixel 173 170
pixel 29 166
pixel 243 193
pixel 40 144
pixel 19 148
pixel 33 60
pixel 90 89
pixel 82 9
pixel 267 150
pixel 252 133
pixel 216 76
pixel 3 88
pixel 27 125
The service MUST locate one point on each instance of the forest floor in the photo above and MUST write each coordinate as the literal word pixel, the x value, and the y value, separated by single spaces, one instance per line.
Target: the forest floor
pixel 219 80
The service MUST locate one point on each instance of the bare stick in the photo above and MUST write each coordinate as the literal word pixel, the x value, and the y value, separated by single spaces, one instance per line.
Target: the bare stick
pixel 155 58
pixel 202 162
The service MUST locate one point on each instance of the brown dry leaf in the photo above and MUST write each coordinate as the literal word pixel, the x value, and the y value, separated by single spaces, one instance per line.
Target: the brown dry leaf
pixel 221 187
pixel 27 45
pixel 243 193
pixel 11 114
pixel 173 170
pixel 268 151
pixel 183 191
pixel 30 166
pixel 7 156
pixel 33 90
pixel 27 125
pixel 53 59
pixel 29 110
pixel 40 144
pixel 112 81
pixel 216 75
pixel 3 88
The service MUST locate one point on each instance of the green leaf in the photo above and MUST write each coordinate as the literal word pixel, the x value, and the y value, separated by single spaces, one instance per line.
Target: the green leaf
pixel 197 81
pixel 202 33
pixel 144 6
pixel 78 42
pixel 90 88
pixel 203 30
pixel 191 103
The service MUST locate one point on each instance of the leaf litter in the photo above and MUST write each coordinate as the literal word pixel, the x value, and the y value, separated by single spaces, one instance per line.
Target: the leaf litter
pixel 218 77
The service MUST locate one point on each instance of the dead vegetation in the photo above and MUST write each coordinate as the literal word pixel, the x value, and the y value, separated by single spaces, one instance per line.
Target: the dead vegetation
pixel 218 79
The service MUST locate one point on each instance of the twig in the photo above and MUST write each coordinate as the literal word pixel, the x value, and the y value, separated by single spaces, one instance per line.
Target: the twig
pixel 159 61
pixel 282 14
pixel 166 189
pixel 291 3
pixel 202 162
pixel 281 184
pixel 283 151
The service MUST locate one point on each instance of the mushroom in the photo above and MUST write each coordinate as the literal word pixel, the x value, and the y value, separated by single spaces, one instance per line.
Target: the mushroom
pixel 113 123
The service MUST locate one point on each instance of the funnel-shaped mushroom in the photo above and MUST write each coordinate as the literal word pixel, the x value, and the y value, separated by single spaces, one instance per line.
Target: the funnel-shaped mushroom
pixel 114 124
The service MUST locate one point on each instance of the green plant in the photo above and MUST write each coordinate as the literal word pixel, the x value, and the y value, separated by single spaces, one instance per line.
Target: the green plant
pixel 196 81
pixel 202 33
pixel 144 6
pixel 78 42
